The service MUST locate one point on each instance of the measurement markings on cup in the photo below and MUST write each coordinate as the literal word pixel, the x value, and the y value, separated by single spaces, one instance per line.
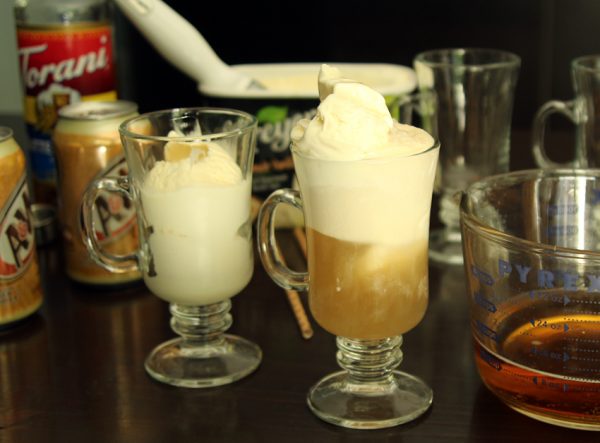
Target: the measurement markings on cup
pixel 496 363
pixel 578 340
pixel 490 359
pixel 578 320
pixel 556 298
pixel 486 331
pixel 590 302
pixel 485 303
pixel 577 346
pixel 553 355
pixel 483 277
pixel 545 324
pixel 563 209
pixel 542 382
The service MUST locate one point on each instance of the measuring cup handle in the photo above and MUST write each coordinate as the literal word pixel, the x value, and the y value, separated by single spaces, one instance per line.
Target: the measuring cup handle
pixel 110 262
pixel 267 244
pixel 566 108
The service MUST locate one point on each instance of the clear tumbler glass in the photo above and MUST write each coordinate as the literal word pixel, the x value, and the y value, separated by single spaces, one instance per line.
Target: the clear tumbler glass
pixel 474 91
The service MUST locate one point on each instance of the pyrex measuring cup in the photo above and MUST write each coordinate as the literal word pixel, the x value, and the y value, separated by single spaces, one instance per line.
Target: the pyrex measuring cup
pixel 531 244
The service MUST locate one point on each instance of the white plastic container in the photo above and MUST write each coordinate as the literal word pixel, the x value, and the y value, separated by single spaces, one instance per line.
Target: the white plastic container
pixel 291 94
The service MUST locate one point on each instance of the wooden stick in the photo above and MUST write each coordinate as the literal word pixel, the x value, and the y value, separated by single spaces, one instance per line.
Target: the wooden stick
pixel 301 239
pixel 294 298
pixel 300 314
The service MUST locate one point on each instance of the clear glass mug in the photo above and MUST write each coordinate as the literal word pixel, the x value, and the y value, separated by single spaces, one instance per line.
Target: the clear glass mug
pixel 195 241
pixel 466 100
pixel 532 262
pixel 367 224
pixel 583 111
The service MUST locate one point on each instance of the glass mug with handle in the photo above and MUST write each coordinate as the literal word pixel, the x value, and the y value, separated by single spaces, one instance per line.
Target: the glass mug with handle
pixel 190 174
pixel 583 111
pixel 367 224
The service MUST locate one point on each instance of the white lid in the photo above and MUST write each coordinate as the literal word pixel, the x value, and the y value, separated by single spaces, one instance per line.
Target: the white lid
pixel 97 110
pixel 387 79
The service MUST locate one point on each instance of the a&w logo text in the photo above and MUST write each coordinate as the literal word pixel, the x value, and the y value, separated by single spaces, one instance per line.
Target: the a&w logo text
pixel 16 234
pixel 114 215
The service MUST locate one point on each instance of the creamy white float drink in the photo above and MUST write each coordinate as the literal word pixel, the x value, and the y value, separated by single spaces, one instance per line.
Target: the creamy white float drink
pixel 198 206
pixel 366 201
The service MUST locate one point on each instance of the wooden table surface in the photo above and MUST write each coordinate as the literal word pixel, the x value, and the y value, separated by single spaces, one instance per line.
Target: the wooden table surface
pixel 74 373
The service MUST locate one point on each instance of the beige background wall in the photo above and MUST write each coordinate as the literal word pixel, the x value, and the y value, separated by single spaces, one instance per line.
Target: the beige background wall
pixel 10 88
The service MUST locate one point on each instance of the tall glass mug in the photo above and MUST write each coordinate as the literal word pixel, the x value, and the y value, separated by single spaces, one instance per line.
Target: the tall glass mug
pixel 367 224
pixel 195 234
pixel 583 111
pixel 474 91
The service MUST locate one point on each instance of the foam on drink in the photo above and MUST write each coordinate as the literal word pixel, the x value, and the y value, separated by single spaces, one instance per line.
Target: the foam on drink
pixel 198 206
pixel 367 198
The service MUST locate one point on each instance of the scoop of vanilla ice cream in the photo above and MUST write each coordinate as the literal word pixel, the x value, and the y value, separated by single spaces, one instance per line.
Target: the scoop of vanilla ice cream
pixel 196 163
pixel 354 123
pixel 375 191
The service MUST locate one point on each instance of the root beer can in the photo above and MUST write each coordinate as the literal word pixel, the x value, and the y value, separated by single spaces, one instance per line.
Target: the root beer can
pixel 87 146
pixel 20 290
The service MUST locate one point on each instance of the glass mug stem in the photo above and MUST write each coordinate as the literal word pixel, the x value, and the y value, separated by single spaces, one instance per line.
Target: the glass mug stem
pixel 201 325
pixel 203 355
pixel 267 245
pixel 110 262
pixel 369 361
pixel 369 393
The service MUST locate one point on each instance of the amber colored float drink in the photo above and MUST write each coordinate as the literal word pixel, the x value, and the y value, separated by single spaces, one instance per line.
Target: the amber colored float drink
pixel 366 291
pixel 367 223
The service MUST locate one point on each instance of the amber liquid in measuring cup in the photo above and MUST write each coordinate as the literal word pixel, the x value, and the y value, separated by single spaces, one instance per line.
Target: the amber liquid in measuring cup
pixel 547 358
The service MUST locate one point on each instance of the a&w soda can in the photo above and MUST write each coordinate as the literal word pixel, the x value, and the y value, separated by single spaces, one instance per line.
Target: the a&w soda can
pixel 20 291
pixel 87 146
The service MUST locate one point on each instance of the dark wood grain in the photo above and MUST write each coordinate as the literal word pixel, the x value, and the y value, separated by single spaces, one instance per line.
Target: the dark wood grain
pixel 74 373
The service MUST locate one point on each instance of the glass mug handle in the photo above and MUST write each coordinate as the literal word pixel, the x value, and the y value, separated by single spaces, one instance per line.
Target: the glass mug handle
pixel 424 104
pixel 110 262
pixel 267 245
pixel 566 108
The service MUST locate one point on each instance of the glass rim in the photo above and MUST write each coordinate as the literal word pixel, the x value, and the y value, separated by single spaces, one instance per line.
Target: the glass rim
pixel 249 126
pixel 510 59
pixel 579 63
pixel 5 133
pixel 434 146
pixel 508 240
pixel 91 110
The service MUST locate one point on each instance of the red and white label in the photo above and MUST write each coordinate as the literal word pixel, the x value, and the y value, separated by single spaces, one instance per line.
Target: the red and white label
pixel 79 58
pixel 16 233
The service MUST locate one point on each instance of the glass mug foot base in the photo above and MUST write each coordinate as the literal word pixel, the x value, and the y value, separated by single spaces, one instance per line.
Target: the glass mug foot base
pixel 335 399
pixel 204 366
pixel 445 247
